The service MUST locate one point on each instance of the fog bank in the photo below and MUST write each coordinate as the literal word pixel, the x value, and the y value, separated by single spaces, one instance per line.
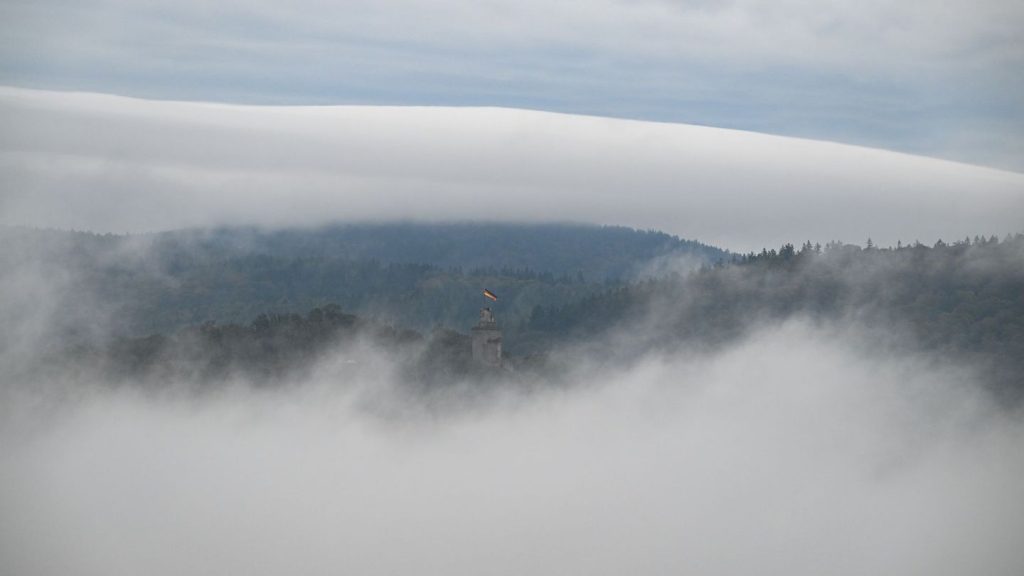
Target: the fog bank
pixel 106 163
pixel 790 452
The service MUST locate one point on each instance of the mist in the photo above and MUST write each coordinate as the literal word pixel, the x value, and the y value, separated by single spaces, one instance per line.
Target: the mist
pixel 802 444
pixel 798 443
pixel 112 164
pixel 791 451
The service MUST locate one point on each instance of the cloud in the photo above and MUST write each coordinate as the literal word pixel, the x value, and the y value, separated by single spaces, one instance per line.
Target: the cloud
pixel 787 453
pixel 116 164
pixel 876 73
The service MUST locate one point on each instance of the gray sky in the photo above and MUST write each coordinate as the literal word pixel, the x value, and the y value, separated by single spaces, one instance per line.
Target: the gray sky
pixel 937 77
pixel 106 163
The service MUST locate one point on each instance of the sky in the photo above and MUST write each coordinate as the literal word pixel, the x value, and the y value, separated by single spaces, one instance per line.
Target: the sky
pixel 935 77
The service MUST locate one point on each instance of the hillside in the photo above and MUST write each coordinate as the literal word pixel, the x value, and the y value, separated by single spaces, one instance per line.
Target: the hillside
pixel 411 275
pixel 962 301
pixel 598 253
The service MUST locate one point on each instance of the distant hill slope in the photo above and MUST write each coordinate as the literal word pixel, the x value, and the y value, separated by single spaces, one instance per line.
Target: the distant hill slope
pixel 414 275
pixel 599 253
pixel 963 300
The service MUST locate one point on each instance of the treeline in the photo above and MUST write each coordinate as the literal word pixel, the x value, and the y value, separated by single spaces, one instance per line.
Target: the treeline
pixel 415 295
pixel 206 313
pixel 416 275
pixel 274 349
pixel 597 253
pixel 964 300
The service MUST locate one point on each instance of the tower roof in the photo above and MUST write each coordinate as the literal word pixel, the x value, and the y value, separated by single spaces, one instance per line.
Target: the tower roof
pixel 487 321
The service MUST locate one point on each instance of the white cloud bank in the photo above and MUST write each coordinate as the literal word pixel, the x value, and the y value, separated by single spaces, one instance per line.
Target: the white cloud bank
pixel 787 454
pixel 108 163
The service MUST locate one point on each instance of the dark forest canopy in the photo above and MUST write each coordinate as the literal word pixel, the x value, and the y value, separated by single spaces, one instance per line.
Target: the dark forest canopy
pixel 416 275
pixel 273 348
pixel 964 300
pixel 598 253
pixel 213 308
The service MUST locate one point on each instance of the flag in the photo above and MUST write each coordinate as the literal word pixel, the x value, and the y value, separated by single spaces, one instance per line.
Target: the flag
pixel 489 294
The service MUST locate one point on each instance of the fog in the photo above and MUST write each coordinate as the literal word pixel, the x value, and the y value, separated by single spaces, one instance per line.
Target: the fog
pixel 798 446
pixel 803 446
pixel 792 451
pixel 96 162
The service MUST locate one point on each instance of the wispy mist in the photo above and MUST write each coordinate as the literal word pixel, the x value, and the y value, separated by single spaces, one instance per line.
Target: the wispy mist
pixel 788 452
pixel 796 443
pixel 801 444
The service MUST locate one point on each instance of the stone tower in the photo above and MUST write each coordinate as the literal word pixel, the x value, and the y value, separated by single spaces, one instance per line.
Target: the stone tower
pixel 487 340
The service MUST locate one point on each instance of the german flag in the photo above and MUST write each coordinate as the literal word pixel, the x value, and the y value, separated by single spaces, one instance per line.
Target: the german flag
pixel 489 294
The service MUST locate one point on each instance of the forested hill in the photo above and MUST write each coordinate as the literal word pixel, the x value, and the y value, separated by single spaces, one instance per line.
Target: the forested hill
pixel 963 300
pixel 597 253
pixel 218 308
pixel 414 275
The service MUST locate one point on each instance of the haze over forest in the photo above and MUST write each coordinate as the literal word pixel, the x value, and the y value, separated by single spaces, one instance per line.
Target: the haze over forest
pixel 454 288
pixel 662 394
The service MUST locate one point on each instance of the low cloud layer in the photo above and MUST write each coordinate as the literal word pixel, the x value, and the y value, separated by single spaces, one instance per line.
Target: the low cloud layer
pixel 115 164
pixel 790 452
